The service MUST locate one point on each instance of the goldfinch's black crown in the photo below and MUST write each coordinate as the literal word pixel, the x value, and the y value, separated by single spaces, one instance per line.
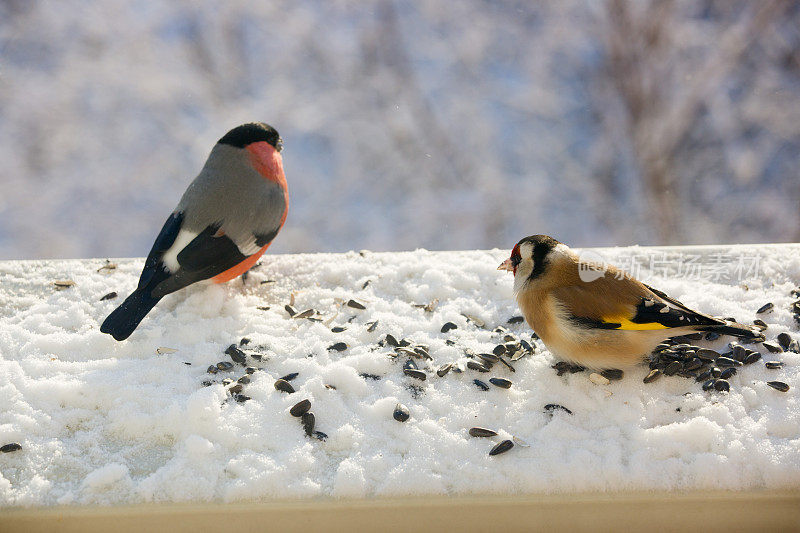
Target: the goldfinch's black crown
pixel 254 132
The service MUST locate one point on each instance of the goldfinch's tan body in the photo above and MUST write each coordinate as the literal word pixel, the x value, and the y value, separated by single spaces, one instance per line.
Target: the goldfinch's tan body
pixel 596 315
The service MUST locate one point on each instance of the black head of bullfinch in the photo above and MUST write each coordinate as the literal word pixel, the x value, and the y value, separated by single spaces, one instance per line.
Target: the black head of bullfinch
pixel 594 314
pixel 224 222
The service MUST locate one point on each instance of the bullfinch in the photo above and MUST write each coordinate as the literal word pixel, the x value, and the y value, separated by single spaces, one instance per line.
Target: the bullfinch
pixel 224 222
pixel 596 315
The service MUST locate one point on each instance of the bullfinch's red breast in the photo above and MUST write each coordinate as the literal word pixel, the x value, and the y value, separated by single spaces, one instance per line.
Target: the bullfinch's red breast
pixel 225 220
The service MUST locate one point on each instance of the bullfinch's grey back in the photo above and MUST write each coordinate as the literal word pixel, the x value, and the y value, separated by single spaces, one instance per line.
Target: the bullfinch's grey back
pixel 224 222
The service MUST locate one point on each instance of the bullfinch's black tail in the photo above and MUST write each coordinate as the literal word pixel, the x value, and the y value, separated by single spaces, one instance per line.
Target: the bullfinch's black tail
pixel 737 330
pixel 125 318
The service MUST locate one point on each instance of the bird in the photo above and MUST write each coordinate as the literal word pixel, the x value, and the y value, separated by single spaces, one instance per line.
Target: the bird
pixel 596 315
pixel 225 221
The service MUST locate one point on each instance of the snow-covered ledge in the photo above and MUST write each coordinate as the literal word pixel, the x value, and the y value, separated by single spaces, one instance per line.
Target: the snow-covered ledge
pixel 102 422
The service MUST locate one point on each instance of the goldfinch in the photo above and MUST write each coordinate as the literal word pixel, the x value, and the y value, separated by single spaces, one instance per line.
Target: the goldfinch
pixel 225 220
pixel 596 315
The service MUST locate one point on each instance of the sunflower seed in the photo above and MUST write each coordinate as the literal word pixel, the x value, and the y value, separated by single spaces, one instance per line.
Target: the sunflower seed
pixel 236 389
pixel 163 349
pixel 501 447
pixel 329 386
pixel 727 373
pixel 304 314
pixel 355 305
pixel 614 374
pixel 109 296
pixel 489 358
pixel 63 284
pixel 444 369
pixel 474 365
pixel 10 447
pixel 290 377
pixel 672 368
pixel 244 342
pixel 250 370
pixel 760 324
pixel 339 347
pixel 771 347
pixel 225 365
pixel 244 380
pixel 308 420
pixel 319 435
pixel 794 346
pixel 500 349
pixel 480 384
pixel 475 320
pixel 508 365
pixel 764 308
pixel 501 382
pixel 784 340
pixel 708 385
pixel 774 365
pixel 597 379
pixel 448 326
pixel 499 329
pixel 481 432
pixel 338 329
pixel 212 369
pixel 778 385
pixel 526 345
pixel 509 338
pixel 416 374
pixel 752 358
pixel 263 308
pixel 712 336
pixel 371 326
pixel 554 406
pixel 410 364
pixel 236 354
pixel 722 386
pixel 692 364
pixel 653 375
pixel 515 319
pixel 705 376
pixel 289 309
pixel 284 386
pixel 401 413
pixel 391 341
pixel 422 351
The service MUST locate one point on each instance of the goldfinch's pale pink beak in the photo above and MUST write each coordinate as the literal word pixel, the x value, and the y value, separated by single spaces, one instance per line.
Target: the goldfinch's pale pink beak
pixel 506 265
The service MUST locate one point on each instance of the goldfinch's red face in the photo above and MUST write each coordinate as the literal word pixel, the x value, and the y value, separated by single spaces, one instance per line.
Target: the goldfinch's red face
pixel 512 262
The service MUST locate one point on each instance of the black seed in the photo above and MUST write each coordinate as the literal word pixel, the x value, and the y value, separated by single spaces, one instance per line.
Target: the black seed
pixel 488 358
pixel 236 354
pixel 760 323
pixel 338 329
pixel 224 365
pixel 481 432
pixel 448 326
pixel 708 385
pixel 250 370
pixel 300 408
pixel 499 329
pixel 366 283
pixel 574 369
pixel 212 369
pixel 692 364
pixel 422 352
pixel 372 325
pixel 764 308
pixel 653 375
pixel 284 386
pixel 525 345
pixel 501 382
pixel 773 365
pixel 672 368
pixel 289 309
pixel 553 406
pixel 416 374
pixel 726 362
pixel 355 305
pixel 10 447
pixel 263 308
pixel 712 336
pixel 778 385
pixel 614 374
pixel 509 338
pixel 752 358
pixel 236 389
pixel 727 373
pixel 339 347
pixel 715 372
pixel 722 386
pixel 739 352
pixel 401 413
pixel 241 398
pixel 508 365
pixel 244 380
pixel 481 385
pixel 391 341
pixel 704 354
pixel 515 319
pixel 206 383
pixel 771 347
pixel 705 376
pixel 290 377
pixel 304 314
pixel 444 369
pixel 330 387
pixel 501 447
pixel 474 365
pixel 450 342
pixel 109 296
pixel 308 420
pixel 320 435
pixel 244 342
pixel 373 377
pixel 500 349
pixel 784 340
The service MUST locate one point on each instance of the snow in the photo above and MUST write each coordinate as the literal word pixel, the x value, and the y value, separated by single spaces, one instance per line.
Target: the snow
pixel 102 422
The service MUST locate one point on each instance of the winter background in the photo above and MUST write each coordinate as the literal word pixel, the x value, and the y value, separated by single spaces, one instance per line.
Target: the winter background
pixel 444 125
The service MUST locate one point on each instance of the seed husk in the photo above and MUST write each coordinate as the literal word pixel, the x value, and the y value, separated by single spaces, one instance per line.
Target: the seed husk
pixel 416 374
pixel 236 354
pixel 554 406
pixel 308 420
pixel 339 347
pixel 391 340
pixel 284 386
pixel 300 408
pixel 784 340
pixel 764 308
pixel 410 364
pixel 613 374
pixel 760 324
pixel 304 314
pixel 475 320
pixel 444 369
pixel 501 447
pixel 501 382
pixel 515 319
pixel 109 296
pixel 509 338
pixel 422 351
pixel 774 365
pixel 778 385
pixel 772 347
pixel 488 358
pixel 372 325
pixel 401 413
pixel 225 365
pixel 481 432
pixel 508 365
pixel 597 379
pixel 355 305
pixel 10 447
pixel 236 389
pixel 480 384
pixel 653 375
pixel 499 350
pixel 722 386
pixel 291 310
pixel 290 376
pixel 448 326
pixel 62 284
pixel 474 365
